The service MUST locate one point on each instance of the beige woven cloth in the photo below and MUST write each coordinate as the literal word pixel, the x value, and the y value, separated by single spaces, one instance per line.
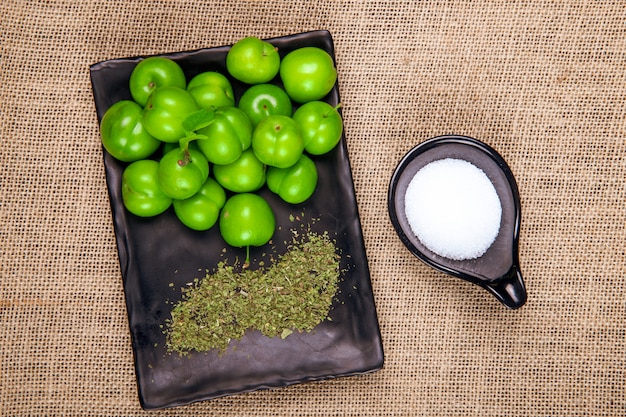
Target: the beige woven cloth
pixel 543 83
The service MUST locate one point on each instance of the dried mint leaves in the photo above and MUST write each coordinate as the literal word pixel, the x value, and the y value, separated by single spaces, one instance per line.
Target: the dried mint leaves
pixel 294 294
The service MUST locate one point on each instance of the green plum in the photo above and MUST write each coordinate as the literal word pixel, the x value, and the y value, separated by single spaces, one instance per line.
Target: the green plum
pixel 277 141
pixel 166 110
pixel 141 193
pixel 246 174
pixel 226 137
pixel 247 220
pixel 152 73
pixel 182 172
pixel 211 89
pixel 262 100
pixel 123 134
pixel 308 74
pixel 296 183
pixel 253 60
pixel 321 126
pixel 201 210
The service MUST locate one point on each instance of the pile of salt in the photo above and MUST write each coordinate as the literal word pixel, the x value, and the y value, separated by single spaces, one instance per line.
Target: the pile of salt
pixel 453 209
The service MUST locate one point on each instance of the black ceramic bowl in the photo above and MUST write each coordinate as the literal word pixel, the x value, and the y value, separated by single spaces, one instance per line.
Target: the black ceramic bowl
pixel 497 270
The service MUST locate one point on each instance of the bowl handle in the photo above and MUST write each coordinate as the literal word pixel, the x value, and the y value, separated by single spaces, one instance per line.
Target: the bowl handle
pixel 509 289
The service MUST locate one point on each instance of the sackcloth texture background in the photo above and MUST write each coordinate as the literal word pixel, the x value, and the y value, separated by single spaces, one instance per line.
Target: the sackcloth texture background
pixel 542 82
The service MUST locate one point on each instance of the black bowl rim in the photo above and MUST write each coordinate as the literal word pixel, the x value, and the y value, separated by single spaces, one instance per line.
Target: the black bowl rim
pixel 463 140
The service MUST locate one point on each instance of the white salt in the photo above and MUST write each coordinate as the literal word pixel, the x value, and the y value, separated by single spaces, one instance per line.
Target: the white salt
pixel 453 209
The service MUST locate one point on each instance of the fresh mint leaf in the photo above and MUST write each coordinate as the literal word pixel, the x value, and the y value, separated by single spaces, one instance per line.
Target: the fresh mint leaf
pixel 199 119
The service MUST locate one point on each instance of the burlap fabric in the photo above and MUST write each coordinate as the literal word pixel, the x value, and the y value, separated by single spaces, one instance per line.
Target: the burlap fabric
pixel 543 83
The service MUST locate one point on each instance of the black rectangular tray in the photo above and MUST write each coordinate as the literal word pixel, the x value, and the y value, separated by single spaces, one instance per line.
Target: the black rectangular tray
pixel 158 256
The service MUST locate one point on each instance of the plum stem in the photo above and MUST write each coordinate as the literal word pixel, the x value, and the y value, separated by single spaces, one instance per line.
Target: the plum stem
pixel 186 158
pixel 247 262
pixel 184 142
pixel 336 108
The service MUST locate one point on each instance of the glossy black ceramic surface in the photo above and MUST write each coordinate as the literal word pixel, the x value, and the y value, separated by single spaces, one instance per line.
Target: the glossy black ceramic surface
pixel 159 255
pixel 498 269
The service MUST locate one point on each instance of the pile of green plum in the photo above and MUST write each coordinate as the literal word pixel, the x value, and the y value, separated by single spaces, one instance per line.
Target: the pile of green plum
pixel 191 145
